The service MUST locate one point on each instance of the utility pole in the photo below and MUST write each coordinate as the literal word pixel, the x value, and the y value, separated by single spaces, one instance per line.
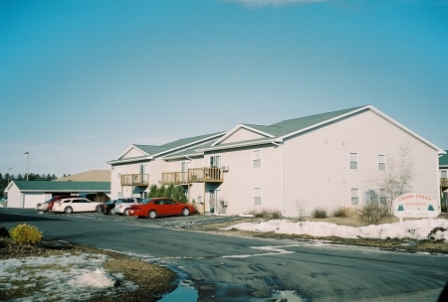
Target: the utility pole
pixel 28 167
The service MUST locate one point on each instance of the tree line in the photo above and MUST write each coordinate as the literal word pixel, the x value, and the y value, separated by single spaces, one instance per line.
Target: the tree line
pixel 4 179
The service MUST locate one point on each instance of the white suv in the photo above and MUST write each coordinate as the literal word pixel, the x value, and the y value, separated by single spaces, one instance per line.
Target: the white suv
pixel 122 205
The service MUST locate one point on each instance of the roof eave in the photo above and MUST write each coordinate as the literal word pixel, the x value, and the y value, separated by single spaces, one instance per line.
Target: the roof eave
pixel 235 129
pixel 391 120
pixel 188 145
pixel 247 144
pixel 128 160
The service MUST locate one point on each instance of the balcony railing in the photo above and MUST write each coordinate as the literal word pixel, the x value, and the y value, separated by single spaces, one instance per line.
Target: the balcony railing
pixel 141 180
pixel 174 178
pixel 194 175
pixel 444 182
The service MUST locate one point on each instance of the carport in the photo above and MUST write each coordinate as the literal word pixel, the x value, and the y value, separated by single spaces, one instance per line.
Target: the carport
pixel 27 194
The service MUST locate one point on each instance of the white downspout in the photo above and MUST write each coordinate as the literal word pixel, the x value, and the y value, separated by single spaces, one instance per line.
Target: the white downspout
pixel 281 177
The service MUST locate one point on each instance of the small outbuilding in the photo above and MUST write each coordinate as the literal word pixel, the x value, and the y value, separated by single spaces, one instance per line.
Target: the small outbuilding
pixel 27 194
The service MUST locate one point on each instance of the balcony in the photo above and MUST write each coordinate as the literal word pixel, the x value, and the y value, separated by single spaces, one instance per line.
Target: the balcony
pixel 194 175
pixel 139 180
pixel 444 182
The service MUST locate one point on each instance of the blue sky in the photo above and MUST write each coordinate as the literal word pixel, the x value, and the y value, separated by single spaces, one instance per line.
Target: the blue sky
pixel 80 81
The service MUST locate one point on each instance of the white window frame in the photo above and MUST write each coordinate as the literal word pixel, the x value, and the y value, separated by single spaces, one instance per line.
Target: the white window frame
pixel 354 196
pixel 257 196
pixel 443 174
pixel 184 166
pixel 381 159
pixel 119 173
pixel 216 159
pixel 256 159
pixel 351 161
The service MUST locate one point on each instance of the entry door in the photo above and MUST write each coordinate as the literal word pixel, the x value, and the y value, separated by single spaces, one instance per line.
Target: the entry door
pixel 185 167
pixel 212 201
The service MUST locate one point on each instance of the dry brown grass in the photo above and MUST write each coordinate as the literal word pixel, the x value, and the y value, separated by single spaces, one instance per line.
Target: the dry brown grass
pixel 152 280
pixel 411 245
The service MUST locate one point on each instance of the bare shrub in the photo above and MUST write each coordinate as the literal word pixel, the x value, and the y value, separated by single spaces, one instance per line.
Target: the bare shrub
pixel 319 213
pixel 301 207
pixel 343 212
pixel 374 213
pixel 267 214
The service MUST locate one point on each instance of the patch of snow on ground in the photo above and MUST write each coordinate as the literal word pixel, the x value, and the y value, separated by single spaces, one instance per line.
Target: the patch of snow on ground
pixel 412 229
pixel 63 277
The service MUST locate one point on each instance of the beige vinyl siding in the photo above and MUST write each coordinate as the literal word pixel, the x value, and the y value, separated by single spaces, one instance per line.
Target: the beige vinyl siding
pixel 242 135
pixel 133 153
pixel 317 172
pixel 15 197
pixel 242 178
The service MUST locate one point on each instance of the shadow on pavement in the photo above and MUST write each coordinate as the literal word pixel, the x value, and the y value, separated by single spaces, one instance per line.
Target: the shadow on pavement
pixel 6 217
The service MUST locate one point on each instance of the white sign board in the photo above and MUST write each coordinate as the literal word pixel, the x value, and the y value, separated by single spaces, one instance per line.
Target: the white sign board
pixel 415 205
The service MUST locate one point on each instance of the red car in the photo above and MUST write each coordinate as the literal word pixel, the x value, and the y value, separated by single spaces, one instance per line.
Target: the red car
pixel 153 207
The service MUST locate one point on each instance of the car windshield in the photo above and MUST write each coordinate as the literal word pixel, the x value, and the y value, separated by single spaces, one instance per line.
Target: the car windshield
pixel 111 202
pixel 146 201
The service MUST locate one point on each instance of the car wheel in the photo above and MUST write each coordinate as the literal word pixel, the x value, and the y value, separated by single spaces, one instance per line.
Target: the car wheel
pixel 68 210
pixel 126 212
pixel 152 214
pixel 98 208
pixel 186 212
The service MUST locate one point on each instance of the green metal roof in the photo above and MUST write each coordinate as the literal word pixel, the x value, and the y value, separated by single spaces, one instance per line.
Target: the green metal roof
pixel 443 160
pixel 292 125
pixel 151 149
pixel 70 186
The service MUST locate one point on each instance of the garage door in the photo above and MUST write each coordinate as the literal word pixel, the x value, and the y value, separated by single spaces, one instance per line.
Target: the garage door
pixel 32 199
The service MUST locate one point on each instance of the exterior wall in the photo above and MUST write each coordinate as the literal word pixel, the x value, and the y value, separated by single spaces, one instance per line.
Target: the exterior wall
pixel 115 182
pixel 317 170
pixel 241 135
pixel 241 179
pixel 32 199
pixel 133 153
pixel 15 198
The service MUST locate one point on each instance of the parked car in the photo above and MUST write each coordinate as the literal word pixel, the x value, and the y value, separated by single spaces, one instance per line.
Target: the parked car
pixel 76 204
pixel 48 204
pixel 43 206
pixel 154 207
pixel 107 207
pixel 123 204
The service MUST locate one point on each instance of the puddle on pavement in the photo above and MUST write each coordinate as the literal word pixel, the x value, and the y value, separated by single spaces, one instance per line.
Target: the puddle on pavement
pixel 183 292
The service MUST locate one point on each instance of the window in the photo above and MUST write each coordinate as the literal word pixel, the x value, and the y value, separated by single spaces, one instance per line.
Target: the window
pixel 371 197
pixel 143 169
pixel 381 162
pixel 256 159
pixel 119 172
pixel 185 166
pixel 355 196
pixel 215 161
pixel 257 196
pixel 443 174
pixel 353 161
pixel 382 197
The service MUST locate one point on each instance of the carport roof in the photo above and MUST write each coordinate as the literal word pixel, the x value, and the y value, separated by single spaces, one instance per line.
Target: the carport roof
pixel 71 186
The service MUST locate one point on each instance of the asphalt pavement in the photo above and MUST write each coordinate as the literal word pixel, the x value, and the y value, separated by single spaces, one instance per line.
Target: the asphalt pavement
pixel 230 268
